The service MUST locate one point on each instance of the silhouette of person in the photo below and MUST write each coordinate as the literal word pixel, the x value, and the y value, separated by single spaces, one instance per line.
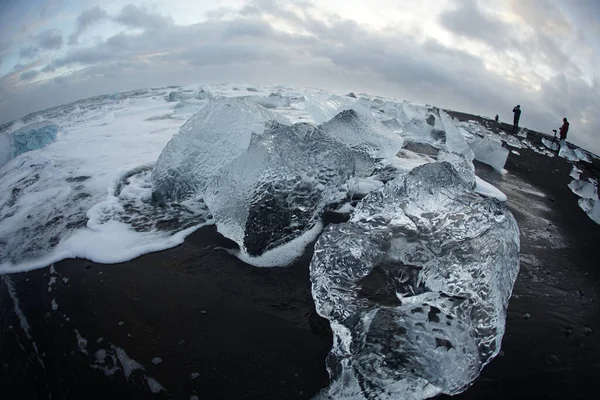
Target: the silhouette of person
pixel 517 112
pixel 564 129
pixel 496 118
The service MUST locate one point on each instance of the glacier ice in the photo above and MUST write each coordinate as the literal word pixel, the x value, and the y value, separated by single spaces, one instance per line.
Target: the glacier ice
pixel 591 208
pixel 513 142
pixel 584 189
pixel 29 137
pixel 464 168
pixel 566 152
pixel 279 187
pixel 582 155
pixel 213 137
pixel 415 287
pixel 551 144
pixel 490 152
pixel 369 140
pixel 455 142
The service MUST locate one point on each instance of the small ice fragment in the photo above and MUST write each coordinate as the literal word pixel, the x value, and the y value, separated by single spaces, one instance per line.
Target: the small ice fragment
pixel 129 365
pixel 121 323
pixel 194 375
pixel 54 305
pixel 101 356
pixel 81 342
pixel 156 360
pixel 154 386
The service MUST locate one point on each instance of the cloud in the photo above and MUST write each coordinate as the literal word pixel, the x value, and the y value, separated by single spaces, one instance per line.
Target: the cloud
pixel 289 43
pixel 87 19
pixel 469 21
pixel 29 52
pixel 28 75
pixel 137 17
pixel 50 39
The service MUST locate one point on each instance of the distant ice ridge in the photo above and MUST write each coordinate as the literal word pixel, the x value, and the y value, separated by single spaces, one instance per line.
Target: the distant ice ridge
pixel 29 137
pixel 416 287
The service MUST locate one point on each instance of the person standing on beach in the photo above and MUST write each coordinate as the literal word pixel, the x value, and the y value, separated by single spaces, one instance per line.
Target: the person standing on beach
pixel 517 112
pixel 496 118
pixel 564 129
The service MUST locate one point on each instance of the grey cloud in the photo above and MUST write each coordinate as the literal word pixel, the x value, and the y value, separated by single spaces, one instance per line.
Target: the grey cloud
pixel 469 21
pixel 130 15
pixel 28 75
pixel 333 53
pixel 248 27
pixel 29 52
pixel 50 39
pixel 137 17
pixel 48 68
pixel 85 20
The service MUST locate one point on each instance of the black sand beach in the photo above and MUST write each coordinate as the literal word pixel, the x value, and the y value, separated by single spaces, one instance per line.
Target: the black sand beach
pixel 225 330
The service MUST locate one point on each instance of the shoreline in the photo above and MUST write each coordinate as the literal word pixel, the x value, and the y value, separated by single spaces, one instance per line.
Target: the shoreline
pixel 252 332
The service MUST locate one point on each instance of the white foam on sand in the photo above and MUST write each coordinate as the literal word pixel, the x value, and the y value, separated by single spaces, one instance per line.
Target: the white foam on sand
pixel 284 254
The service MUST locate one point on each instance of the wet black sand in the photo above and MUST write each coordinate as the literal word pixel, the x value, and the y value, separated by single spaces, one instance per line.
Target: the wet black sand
pixel 252 333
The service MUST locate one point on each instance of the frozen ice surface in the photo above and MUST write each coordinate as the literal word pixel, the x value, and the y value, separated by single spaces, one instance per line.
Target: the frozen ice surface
pixel 464 167
pixel 455 142
pixel 551 144
pixel 513 142
pixel 591 208
pixel 322 107
pixel 582 155
pixel 416 287
pixel 584 189
pixel 209 140
pixel 566 152
pixel 29 137
pixel 490 152
pixel 575 172
pixel 369 140
pixel 277 189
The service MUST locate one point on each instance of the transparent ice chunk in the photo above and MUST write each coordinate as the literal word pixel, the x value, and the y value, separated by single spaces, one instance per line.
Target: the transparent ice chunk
pixel 279 187
pixel 415 287
pixel 212 138
pixel 490 152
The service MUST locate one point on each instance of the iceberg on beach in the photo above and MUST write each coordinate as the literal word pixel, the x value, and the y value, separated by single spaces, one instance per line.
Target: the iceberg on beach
pixel 416 287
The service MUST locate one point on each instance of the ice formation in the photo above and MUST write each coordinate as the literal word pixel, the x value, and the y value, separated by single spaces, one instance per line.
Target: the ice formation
pixel 582 155
pixel 277 189
pixel 591 208
pixel 29 137
pixel 490 152
pixel 566 152
pixel 415 286
pixel 584 189
pixel 209 140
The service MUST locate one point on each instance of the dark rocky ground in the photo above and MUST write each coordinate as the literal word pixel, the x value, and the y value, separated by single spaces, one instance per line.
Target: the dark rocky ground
pixel 251 333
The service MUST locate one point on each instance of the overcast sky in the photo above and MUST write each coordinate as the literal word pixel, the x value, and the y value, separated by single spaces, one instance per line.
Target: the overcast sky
pixel 482 57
